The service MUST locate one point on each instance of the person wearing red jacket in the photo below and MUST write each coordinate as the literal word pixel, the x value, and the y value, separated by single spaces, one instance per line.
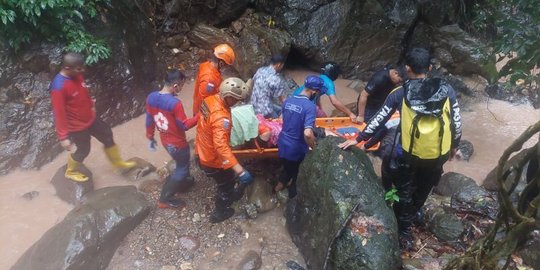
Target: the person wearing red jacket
pixel 212 146
pixel 166 113
pixel 209 76
pixel 75 118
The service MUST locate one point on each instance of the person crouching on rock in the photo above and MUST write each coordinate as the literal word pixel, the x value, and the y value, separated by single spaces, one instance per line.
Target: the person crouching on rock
pixel 297 134
pixel 212 146
pixel 75 118
pixel 166 112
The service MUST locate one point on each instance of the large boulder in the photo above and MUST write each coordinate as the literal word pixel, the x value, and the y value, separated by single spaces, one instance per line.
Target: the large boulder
pixel 256 45
pixel 339 189
pixel 89 235
pixel 456 50
pixel 119 85
pixel 207 37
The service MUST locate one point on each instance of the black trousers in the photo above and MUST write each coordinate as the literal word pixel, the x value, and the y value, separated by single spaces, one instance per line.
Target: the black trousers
pixel 225 181
pixel 100 130
pixel 289 174
pixel 414 179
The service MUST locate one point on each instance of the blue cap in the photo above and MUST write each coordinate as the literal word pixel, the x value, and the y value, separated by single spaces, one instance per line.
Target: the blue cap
pixel 315 83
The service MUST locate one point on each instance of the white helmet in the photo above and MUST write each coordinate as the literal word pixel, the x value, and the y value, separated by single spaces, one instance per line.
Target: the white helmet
pixel 235 88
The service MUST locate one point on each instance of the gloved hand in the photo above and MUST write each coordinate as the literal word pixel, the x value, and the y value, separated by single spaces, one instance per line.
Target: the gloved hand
pixel 245 178
pixel 152 145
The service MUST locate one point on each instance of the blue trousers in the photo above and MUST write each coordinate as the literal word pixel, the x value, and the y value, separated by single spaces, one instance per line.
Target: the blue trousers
pixel 181 157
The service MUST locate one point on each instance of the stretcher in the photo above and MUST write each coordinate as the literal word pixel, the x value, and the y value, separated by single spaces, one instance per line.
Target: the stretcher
pixel 340 126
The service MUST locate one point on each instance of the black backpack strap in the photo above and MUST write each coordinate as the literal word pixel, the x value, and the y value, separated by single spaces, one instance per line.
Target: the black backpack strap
pixel 414 132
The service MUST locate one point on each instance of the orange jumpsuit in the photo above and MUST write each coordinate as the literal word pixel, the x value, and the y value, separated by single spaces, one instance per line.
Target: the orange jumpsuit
pixel 213 134
pixel 207 84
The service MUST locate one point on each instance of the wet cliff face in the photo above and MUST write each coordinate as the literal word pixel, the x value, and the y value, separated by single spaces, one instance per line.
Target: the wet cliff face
pixel 120 84
pixel 364 35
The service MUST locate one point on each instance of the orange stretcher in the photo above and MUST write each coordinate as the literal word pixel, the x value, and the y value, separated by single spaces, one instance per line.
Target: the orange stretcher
pixel 337 125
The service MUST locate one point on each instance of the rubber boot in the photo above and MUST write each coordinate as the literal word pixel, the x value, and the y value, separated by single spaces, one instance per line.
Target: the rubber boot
pixel 73 171
pixel 113 153
pixel 166 199
pixel 239 192
pixel 221 214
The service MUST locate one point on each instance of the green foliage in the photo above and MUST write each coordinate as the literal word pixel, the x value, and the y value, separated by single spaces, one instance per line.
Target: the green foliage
pixel 517 24
pixel 391 196
pixel 22 21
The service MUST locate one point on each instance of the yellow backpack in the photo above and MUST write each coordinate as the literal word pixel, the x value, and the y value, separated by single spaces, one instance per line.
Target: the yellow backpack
pixel 426 119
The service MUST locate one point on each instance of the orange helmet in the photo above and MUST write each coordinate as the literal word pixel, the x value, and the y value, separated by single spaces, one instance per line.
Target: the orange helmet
pixel 225 53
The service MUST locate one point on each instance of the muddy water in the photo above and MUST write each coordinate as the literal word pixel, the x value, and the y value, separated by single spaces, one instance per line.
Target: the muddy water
pixel 24 221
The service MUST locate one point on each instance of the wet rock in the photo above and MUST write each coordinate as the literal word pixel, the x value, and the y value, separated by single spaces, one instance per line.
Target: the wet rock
pixel 445 226
pixel 207 37
pixel 90 233
pixel 186 266
pixel 142 169
pixel 190 243
pixel 119 84
pixel 422 263
pixel 509 92
pixel 30 195
pixel 251 261
pixel 530 253
pixel 292 265
pixel 490 183
pixel 361 36
pixel 256 46
pixel 456 50
pixel 168 267
pixel 259 193
pixel 178 41
pixel 466 148
pixel 70 191
pixel 453 182
pixel 345 180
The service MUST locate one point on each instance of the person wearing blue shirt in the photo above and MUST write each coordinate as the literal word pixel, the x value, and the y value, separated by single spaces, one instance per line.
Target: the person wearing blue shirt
pixel 297 133
pixel 329 73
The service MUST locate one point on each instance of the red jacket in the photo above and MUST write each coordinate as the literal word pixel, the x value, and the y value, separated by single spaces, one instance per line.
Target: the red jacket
pixel 207 84
pixel 72 106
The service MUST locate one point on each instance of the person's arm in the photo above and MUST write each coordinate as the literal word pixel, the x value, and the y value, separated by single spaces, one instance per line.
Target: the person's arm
pixel 181 120
pixel 391 104
pixel 59 112
pixel 150 124
pixel 362 101
pixel 456 121
pixel 338 105
pixel 309 125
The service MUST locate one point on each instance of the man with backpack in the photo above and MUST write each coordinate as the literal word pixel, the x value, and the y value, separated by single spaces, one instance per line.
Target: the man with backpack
pixel 429 133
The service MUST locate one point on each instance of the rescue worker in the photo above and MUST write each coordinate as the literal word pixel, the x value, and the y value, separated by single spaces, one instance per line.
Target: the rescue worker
pixel 430 131
pixel 330 71
pixel 209 76
pixel 297 135
pixel 166 112
pixel 212 146
pixel 376 91
pixel 268 85
pixel 75 119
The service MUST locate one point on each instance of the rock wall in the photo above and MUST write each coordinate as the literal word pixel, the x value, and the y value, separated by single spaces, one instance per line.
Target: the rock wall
pixel 119 84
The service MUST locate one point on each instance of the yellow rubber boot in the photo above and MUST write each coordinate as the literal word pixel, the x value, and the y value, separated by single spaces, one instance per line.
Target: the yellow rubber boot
pixel 73 171
pixel 113 153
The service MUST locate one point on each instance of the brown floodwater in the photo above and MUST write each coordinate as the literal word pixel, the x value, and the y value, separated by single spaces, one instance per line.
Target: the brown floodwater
pixel 24 221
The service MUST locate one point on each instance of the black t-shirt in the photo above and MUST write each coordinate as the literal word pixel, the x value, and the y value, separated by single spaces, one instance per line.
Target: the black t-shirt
pixel 378 88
